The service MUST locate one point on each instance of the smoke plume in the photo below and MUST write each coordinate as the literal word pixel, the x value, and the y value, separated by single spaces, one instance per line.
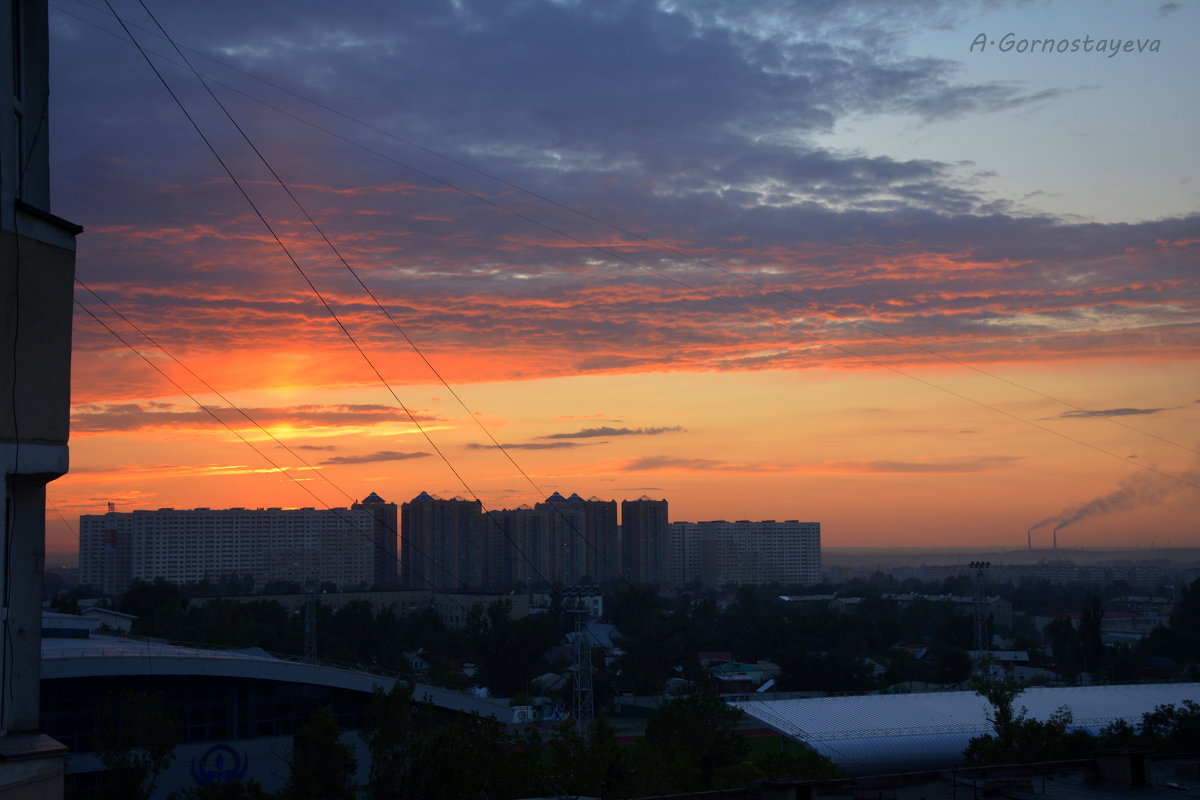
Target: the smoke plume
pixel 1138 490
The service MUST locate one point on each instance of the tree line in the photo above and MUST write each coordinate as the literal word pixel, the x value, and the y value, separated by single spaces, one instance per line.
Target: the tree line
pixel 418 751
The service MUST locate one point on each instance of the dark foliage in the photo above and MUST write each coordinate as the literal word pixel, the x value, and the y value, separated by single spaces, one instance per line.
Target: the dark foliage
pixel 135 738
pixel 321 766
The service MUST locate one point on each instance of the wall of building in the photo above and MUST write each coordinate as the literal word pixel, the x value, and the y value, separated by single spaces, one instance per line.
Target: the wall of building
pixel 747 552
pixel 685 553
pixel 442 544
pixel 37 271
pixel 192 545
pixel 645 541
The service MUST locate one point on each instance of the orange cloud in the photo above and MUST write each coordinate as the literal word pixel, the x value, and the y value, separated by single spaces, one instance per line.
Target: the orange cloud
pixel 128 417
pixel 862 467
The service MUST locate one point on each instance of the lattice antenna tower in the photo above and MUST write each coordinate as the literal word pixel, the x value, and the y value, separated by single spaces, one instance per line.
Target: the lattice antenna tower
pixel 310 620
pixel 980 568
pixel 579 602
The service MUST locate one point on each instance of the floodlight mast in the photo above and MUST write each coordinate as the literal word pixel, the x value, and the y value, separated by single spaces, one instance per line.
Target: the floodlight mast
pixel 980 568
pixel 577 601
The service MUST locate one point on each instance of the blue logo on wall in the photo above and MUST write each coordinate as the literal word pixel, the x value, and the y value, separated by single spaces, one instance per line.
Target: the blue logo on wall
pixel 219 764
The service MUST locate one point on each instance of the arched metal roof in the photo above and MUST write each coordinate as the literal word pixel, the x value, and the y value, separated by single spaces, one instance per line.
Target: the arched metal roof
pixel 113 656
pixel 868 734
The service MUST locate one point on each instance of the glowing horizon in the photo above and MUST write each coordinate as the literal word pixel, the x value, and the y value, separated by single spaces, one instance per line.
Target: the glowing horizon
pixel 833 292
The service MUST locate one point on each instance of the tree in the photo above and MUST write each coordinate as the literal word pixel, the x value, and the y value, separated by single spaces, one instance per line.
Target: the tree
pixel 698 734
pixel 135 738
pixel 417 751
pixel 466 757
pixel 508 651
pixel 1171 728
pixel 1091 645
pixel 158 606
pixel 607 760
pixel 568 770
pixel 1185 625
pixel 839 671
pixel 389 726
pixel 1186 613
pixel 951 664
pixel 652 654
pixel 233 790
pixel 795 760
pixel 1064 642
pixel 1019 738
pixel 322 767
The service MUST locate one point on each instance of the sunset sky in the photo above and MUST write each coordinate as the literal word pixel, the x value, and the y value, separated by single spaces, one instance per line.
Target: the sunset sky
pixel 813 260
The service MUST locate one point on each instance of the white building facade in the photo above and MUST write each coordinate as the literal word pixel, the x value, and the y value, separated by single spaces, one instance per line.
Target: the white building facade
pixel 747 552
pixel 190 545
pixel 685 553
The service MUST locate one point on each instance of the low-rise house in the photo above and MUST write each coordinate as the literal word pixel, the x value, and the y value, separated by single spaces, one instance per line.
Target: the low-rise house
pixel 417 662
pixel 1114 625
pixel 1005 660
pixel 736 677
pixel 110 618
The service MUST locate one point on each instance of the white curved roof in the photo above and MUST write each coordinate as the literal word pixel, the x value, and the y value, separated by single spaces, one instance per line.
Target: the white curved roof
pixel 901 732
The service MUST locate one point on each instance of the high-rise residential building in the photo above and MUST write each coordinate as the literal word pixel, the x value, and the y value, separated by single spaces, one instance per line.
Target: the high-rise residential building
pixel 525 554
pixel 685 553
pixel 560 541
pixel 584 535
pixel 645 541
pixel 760 552
pixel 567 541
pixel 444 544
pixel 338 545
pixel 385 536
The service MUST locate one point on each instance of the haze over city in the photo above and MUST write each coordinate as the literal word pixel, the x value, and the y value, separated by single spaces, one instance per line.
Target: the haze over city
pixel 833 263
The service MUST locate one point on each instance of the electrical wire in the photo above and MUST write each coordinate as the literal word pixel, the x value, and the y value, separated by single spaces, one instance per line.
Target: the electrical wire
pixel 312 287
pixel 391 319
pixel 658 244
pixel 620 257
pixel 208 386
pixel 274 466
pixel 613 254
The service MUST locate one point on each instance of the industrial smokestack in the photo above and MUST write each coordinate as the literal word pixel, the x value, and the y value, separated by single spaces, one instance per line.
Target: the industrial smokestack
pixel 1134 491
pixel 1036 525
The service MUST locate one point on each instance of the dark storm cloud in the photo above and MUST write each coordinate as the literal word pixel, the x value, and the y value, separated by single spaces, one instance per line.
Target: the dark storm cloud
pixel 944 465
pixel 530 445
pixel 371 458
pixel 110 417
pixel 1114 412
pixel 633 88
pixel 864 467
pixel 605 430
pixel 692 125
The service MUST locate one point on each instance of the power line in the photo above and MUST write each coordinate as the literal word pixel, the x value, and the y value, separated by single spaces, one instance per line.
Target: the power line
pixel 66 521
pixel 628 232
pixel 620 257
pixel 744 309
pixel 312 287
pixel 412 344
pixel 274 466
pixel 210 388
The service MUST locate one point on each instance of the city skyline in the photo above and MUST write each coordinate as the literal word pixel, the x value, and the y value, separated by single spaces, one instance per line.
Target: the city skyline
pixel 837 263
pixel 443 544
